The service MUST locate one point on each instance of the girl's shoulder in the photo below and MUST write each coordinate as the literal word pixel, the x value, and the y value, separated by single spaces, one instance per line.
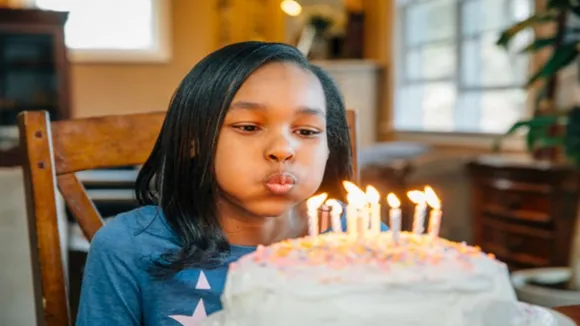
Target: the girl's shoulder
pixel 140 222
pixel 137 233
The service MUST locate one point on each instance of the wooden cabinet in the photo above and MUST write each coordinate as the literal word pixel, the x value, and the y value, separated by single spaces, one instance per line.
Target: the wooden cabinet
pixel 33 71
pixel 524 211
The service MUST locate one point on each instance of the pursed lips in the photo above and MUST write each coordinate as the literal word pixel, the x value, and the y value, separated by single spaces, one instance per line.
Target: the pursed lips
pixel 280 183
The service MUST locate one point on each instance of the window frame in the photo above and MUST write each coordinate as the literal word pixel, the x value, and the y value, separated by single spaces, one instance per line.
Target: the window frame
pixel 160 52
pixel 449 138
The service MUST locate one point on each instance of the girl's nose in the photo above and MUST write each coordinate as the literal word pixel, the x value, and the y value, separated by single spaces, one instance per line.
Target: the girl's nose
pixel 281 150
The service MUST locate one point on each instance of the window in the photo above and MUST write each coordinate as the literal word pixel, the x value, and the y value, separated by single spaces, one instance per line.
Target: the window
pixel 451 77
pixel 113 30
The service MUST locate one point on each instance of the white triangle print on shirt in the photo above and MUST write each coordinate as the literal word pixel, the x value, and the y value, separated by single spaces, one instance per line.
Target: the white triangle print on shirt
pixel 198 315
pixel 202 283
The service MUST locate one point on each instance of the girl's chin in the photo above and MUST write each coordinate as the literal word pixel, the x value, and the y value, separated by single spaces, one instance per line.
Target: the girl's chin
pixel 269 209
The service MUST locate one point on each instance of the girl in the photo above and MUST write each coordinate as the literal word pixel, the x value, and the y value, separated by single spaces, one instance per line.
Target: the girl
pixel 253 130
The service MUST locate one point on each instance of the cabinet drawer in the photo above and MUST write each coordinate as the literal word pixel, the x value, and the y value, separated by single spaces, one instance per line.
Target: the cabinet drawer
pixel 517 243
pixel 517 204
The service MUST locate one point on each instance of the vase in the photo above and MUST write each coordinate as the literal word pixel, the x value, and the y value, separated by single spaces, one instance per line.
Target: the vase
pixel 320 48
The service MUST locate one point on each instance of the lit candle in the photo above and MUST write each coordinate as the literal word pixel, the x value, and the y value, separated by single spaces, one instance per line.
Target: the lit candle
pixel 373 198
pixel 335 212
pixel 362 225
pixel 418 198
pixel 324 217
pixel 355 211
pixel 313 204
pixel 435 216
pixel 352 213
pixel 394 216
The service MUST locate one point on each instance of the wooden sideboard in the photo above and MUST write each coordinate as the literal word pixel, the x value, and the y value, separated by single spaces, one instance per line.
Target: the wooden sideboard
pixel 524 211
pixel 33 71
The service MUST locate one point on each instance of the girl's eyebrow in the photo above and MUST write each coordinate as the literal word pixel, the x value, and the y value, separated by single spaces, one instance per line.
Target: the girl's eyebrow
pixel 244 105
pixel 247 105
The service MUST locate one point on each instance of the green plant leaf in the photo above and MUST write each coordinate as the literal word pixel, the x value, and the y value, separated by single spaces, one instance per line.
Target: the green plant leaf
pixel 574 6
pixel 516 126
pixel 510 32
pixel 536 127
pixel 531 138
pixel 542 121
pixel 548 141
pixel 561 57
pixel 558 4
pixel 539 44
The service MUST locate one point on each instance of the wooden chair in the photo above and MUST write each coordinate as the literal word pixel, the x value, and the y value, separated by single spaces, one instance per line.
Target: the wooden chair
pixel 54 152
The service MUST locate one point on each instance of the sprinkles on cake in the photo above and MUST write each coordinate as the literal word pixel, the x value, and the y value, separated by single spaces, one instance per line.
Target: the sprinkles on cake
pixel 339 250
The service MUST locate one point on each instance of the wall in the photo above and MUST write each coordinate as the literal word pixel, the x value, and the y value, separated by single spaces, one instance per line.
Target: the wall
pixel 98 89
pixel 102 89
pixel 379 42
pixel 17 309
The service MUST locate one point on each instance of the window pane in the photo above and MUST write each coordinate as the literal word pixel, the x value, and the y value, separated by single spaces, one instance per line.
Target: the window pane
pixel 431 61
pixel 521 9
pixel 485 15
pixel 429 21
pixel 106 24
pixel 408 108
pixel 490 111
pixel 486 64
pixel 426 107
pixel 488 77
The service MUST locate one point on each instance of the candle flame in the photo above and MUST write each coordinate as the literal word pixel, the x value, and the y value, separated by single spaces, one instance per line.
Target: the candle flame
pixel 393 201
pixel 352 188
pixel 416 196
pixel 432 199
pixel 336 206
pixel 313 203
pixel 372 195
pixel 356 199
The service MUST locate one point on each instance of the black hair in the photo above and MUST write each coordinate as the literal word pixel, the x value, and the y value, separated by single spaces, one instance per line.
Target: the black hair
pixel 184 186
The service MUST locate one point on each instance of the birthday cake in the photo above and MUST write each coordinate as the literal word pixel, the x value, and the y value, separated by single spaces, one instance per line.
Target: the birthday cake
pixel 372 278
pixel 337 279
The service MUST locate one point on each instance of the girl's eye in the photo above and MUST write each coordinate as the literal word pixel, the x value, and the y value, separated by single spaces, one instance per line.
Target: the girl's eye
pixel 307 132
pixel 247 128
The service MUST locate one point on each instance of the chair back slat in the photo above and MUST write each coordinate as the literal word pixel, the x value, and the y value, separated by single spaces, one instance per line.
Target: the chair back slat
pixel 101 142
pixel 53 153
pixel 47 270
pixel 81 206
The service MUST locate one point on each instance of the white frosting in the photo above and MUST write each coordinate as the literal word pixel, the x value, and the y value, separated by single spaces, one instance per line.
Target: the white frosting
pixel 335 279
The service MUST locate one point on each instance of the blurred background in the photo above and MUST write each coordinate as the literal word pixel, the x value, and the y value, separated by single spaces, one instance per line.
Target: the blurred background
pixel 434 90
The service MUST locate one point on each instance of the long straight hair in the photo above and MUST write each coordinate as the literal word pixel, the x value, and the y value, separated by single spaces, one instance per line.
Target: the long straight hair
pixel 184 185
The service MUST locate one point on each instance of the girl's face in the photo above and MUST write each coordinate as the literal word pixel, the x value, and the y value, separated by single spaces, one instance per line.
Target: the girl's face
pixel 272 148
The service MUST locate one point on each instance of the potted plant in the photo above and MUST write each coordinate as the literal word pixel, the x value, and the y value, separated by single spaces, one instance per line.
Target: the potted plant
pixel 552 133
pixel 325 21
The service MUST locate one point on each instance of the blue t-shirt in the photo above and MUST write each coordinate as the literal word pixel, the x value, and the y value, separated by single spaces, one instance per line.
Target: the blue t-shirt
pixel 118 289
